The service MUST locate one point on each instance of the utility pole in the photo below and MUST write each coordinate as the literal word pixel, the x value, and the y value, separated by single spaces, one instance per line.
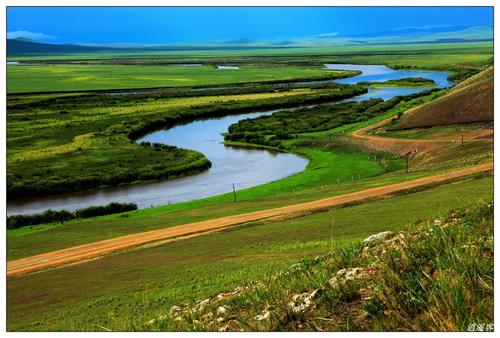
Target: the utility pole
pixel 234 193
pixel 462 138
pixel 407 162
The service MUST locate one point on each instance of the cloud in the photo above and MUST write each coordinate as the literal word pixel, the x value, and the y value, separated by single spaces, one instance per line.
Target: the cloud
pixel 29 35
pixel 423 27
pixel 327 35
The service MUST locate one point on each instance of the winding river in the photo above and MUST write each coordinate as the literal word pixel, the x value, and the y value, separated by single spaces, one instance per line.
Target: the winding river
pixel 243 167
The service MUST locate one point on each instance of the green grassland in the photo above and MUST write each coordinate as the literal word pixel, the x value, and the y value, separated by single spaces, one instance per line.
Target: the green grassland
pixel 421 55
pixel 330 164
pixel 128 70
pixel 46 78
pixel 335 168
pixel 126 290
pixel 435 276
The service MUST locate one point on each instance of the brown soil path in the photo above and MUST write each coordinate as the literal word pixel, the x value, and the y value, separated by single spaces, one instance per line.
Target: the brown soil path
pixel 403 146
pixel 363 133
pixel 87 251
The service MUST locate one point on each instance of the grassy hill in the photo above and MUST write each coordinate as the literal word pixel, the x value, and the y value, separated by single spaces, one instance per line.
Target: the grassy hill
pixel 436 277
pixel 25 46
pixel 18 47
pixel 469 101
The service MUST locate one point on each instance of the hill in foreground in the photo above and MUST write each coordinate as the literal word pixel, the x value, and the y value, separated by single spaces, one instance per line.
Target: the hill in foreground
pixel 469 101
pixel 437 277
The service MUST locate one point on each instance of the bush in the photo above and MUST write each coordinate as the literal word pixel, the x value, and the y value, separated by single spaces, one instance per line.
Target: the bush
pixel 112 208
pixel 50 216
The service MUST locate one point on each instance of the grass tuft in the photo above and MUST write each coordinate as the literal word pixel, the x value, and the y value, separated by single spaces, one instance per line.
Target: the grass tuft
pixel 437 276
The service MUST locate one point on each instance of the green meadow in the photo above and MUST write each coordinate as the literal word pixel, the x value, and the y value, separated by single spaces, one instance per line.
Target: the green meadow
pixel 47 78
pixel 125 290
pixel 334 168
pixel 84 140
pixel 122 70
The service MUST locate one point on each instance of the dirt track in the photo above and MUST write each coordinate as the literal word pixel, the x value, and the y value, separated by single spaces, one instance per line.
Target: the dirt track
pixel 87 251
pixel 402 146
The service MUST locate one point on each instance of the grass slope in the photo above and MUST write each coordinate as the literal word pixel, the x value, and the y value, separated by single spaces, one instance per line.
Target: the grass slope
pixel 469 101
pixel 127 290
pixel 438 277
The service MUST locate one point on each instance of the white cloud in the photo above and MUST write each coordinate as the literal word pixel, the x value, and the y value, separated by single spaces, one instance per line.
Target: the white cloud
pixel 423 27
pixel 327 35
pixel 29 35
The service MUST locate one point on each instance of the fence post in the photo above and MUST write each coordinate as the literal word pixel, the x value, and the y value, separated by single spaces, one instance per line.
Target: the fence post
pixel 234 193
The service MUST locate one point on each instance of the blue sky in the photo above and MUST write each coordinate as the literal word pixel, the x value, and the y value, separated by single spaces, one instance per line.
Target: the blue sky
pixel 157 25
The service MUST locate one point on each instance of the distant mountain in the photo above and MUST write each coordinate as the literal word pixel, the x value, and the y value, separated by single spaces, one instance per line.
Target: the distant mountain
pixel 20 47
pixel 24 39
pixel 240 42
pixel 408 35
pixel 428 35
pixel 24 46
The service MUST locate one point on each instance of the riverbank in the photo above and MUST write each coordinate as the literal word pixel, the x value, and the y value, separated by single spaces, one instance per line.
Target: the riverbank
pixel 292 93
pixel 62 165
pixel 331 170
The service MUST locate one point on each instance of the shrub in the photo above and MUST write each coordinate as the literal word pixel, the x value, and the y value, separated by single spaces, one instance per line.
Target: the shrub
pixel 51 216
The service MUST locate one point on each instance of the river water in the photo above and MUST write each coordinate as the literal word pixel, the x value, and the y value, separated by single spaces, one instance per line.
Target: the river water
pixel 243 167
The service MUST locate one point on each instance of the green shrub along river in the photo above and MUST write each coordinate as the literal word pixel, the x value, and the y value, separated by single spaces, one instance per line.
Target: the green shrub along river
pixel 283 125
pixel 75 142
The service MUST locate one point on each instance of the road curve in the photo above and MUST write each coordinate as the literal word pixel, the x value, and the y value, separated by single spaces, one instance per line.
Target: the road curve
pixel 82 252
pixel 363 133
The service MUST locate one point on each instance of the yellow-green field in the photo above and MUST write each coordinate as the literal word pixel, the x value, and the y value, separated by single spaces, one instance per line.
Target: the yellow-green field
pixel 44 78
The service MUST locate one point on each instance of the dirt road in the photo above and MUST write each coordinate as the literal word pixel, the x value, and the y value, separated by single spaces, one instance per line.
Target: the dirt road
pixel 363 133
pixel 86 251
pixel 403 146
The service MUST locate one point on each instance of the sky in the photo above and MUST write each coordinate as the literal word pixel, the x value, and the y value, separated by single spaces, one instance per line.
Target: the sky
pixel 163 25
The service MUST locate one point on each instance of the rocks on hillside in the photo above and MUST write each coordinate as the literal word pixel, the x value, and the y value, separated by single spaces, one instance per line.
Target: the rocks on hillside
pixel 377 237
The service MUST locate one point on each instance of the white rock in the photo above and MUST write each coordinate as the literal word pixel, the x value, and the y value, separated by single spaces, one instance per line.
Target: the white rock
pixel 221 310
pixel 302 301
pixel 377 237
pixel 175 308
pixel 202 304
pixel 223 328
pixel 344 275
pixel 263 316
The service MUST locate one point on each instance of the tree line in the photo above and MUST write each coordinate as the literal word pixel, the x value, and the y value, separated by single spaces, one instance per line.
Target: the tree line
pixel 51 216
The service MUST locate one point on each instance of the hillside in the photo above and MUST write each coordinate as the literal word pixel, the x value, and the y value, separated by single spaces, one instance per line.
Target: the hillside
pixel 25 46
pixel 437 277
pixel 469 101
